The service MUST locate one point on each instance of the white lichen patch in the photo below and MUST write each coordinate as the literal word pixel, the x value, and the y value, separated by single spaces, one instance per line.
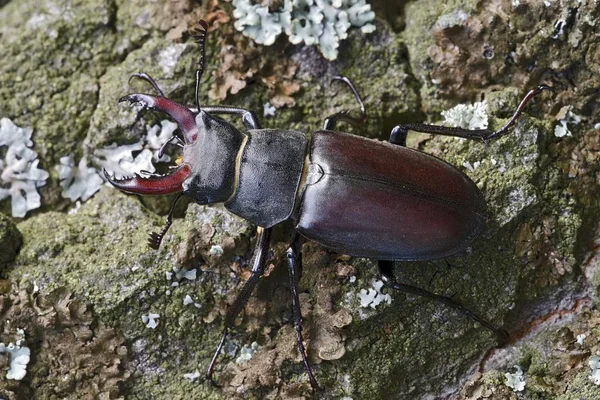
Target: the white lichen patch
pixel 566 118
pixel 19 357
pixel 78 182
pixel 193 376
pixel 180 274
pixel 216 250
pixel 187 300
pixel 373 296
pixel 150 320
pixel 268 110
pixel 518 199
pixel 129 159
pixel 467 116
pixel 120 160
pixel 315 22
pixel 515 381
pixel 246 353
pixel 157 136
pixel 581 339
pixel 19 173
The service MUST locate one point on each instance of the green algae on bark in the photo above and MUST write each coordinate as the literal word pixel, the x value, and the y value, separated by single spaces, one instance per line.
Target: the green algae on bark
pixel 10 241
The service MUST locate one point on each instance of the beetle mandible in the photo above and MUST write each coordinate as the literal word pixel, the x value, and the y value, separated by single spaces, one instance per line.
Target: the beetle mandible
pixel 356 196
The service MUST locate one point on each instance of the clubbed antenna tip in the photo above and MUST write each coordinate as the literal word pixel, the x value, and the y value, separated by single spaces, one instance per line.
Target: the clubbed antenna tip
pixel 199 32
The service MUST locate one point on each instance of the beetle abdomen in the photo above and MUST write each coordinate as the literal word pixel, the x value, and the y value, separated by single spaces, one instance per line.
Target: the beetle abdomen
pixel 374 199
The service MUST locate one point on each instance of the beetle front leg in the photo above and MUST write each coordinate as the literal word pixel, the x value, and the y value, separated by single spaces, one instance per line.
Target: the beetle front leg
pixel 259 260
pixel 249 119
pixel 145 77
pixel 388 278
pixel 294 274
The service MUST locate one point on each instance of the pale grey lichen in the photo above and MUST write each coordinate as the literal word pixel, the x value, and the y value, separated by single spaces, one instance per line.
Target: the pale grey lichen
pixel 515 381
pixel 467 116
pixel 19 173
pixel 19 357
pixel 132 158
pixel 151 320
pixel 315 22
pixel 569 118
pixel 157 136
pixel 78 182
pixel 121 161
pixel 192 376
pixel 246 353
pixel 373 296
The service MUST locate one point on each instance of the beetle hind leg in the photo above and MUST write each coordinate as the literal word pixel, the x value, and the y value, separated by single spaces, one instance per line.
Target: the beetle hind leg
pixel 388 278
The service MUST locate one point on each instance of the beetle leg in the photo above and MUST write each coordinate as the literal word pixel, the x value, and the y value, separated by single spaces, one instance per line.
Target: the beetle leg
pixel 184 117
pixel 330 121
pixel 485 135
pixel 294 273
pixel 145 77
pixel 259 259
pixel 387 276
pixel 156 238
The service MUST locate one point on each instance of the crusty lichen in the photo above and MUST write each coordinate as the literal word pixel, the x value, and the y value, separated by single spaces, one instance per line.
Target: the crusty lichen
pixel 73 356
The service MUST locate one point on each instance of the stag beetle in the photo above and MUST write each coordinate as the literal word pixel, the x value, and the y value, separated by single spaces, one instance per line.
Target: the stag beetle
pixel 356 196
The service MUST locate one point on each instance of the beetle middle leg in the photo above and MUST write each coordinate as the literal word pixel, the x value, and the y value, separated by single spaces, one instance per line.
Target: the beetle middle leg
pixel 388 278
pixel 259 260
pixel 485 135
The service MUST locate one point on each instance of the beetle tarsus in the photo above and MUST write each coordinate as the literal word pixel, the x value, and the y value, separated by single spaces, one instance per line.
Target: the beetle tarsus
pixel 211 367
pixel 154 238
pixel 344 115
pixel 388 278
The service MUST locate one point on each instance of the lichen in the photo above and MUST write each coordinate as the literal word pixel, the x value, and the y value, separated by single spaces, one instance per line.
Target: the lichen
pixel 72 356
pixel 19 173
pixel 321 22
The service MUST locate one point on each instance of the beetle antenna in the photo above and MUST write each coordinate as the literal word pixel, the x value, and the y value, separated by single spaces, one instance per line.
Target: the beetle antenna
pixel 199 32
pixel 156 238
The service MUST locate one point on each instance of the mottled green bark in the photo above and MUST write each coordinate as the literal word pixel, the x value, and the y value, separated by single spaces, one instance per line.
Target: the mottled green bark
pixel 65 64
